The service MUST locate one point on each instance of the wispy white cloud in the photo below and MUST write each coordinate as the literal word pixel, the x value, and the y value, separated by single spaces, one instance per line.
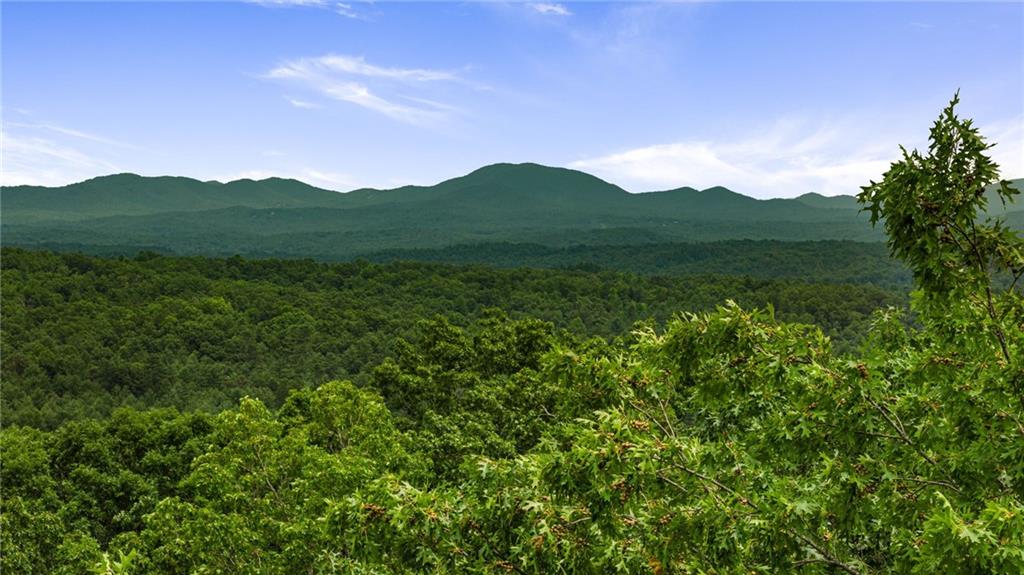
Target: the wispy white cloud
pixel 29 160
pixel 303 104
pixel 290 3
pixel 639 35
pixel 788 158
pixel 784 160
pixel 361 95
pixel 1008 151
pixel 52 155
pixel 384 90
pixel 331 180
pixel 357 66
pixel 70 132
pixel 346 9
pixel 551 9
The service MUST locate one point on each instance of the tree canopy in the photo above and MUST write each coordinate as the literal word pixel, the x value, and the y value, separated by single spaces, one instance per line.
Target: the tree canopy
pixel 720 441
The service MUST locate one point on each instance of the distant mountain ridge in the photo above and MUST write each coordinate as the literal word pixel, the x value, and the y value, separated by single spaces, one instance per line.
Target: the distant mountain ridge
pixel 498 203
pixel 841 202
pixel 131 194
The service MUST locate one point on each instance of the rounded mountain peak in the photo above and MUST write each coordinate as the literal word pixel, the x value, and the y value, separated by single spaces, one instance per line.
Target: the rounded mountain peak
pixel 530 178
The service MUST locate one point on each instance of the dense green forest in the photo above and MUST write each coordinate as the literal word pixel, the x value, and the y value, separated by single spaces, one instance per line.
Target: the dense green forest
pixel 84 334
pixel 483 420
pixel 815 261
pixel 819 261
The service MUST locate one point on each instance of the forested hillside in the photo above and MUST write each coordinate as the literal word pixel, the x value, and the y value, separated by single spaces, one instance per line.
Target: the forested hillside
pixel 130 194
pixel 820 261
pixel 522 203
pixel 525 204
pixel 83 334
pixel 817 261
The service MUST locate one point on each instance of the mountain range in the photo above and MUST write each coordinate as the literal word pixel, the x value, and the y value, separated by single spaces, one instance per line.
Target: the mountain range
pixel 517 203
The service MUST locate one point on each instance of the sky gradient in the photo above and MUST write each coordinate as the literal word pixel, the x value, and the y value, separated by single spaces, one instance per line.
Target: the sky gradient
pixel 770 100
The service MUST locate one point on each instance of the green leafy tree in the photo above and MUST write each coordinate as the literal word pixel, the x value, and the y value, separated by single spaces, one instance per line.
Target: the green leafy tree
pixel 254 501
pixel 932 204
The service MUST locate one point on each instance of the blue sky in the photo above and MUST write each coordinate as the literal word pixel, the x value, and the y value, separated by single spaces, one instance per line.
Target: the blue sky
pixel 771 100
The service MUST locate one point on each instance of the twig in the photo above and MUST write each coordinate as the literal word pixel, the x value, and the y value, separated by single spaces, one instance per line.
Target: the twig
pixel 945 484
pixel 668 421
pixel 896 424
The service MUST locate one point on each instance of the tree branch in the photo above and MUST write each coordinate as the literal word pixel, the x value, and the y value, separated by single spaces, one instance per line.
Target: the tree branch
pixel 897 425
